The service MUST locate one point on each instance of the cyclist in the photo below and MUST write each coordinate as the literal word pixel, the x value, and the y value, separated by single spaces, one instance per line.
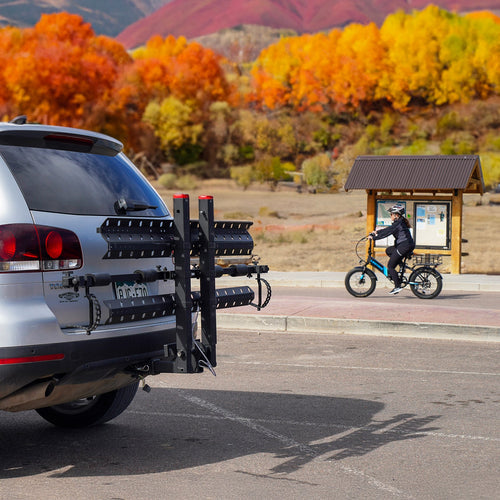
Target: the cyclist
pixel 403 244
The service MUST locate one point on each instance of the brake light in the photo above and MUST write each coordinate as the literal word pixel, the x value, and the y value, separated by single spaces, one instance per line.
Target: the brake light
pixel 54 244
pixel 69 139
pixel 8 245
pixel 26 247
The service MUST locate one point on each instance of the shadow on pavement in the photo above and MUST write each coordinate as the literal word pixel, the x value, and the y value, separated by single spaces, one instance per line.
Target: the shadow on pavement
pixel 178 429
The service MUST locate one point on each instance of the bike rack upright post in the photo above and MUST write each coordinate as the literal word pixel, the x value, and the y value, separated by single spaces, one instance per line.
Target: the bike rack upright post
pixel 207 277
pixel 183 301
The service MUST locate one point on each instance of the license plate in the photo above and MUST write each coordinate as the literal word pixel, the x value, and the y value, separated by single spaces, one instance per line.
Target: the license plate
pixel 130 289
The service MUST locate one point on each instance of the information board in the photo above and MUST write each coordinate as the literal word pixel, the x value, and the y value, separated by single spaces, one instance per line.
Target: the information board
pixel 432 224
pixel 384 220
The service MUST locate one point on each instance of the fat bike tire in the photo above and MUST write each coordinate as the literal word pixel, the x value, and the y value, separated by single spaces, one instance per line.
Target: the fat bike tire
pixel 360 282
pixel 426 283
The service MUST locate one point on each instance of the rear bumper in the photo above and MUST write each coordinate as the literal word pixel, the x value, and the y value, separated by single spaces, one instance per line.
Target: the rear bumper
pixel 79 362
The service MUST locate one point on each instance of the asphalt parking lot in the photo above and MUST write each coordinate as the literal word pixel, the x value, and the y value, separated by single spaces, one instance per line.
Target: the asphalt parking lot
pixel 289 415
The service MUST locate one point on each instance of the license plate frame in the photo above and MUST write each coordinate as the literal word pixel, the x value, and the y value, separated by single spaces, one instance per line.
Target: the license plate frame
pixel 130 290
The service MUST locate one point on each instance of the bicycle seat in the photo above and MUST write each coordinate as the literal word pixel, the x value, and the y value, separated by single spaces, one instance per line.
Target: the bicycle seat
pixel 406 257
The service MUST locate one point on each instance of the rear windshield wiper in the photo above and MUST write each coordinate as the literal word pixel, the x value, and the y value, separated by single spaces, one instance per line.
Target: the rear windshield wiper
pixel 122 206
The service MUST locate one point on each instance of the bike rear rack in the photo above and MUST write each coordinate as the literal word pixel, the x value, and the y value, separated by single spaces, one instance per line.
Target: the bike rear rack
pixel 427 259
pixel 183 239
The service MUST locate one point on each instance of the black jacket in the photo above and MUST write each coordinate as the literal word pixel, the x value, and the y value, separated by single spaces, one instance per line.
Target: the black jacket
pixel 400 232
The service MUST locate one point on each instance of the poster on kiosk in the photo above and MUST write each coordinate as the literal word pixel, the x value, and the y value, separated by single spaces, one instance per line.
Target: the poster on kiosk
pixel 431 225
pixel 384 220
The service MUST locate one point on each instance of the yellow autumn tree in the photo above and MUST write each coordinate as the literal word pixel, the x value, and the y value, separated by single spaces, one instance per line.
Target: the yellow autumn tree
pixel 413 43
pixel 173 123
pixel 486 56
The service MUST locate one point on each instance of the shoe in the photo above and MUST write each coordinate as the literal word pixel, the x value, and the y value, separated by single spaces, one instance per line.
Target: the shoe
pixel 395 290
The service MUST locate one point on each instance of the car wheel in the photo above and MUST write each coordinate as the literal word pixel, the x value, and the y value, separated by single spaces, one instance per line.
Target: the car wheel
pixel 90 411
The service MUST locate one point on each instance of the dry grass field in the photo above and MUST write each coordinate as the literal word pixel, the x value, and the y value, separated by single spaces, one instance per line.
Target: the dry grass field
pixel 317 232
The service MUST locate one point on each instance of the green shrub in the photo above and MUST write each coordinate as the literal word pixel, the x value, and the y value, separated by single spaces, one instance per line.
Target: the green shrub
pixel 417 147
pixel 228 154
pixel 167 181
pixel 244 176
pixel 236 216
pixel 449 122
pixel 197 169
pixel 270 170
pixel 323 137
pixel 386 129
pixel 246 153
pixel 317 171
pixel 490 163
pixel 187 182
pixel 459 143
pixel 266 212
pixel 491 142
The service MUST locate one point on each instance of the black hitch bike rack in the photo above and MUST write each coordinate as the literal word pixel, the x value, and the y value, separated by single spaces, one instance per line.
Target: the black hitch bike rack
pixel 183 239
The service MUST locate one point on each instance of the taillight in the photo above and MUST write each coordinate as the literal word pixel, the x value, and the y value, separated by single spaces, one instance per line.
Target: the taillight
pixel 54 244
pixel 8 244
pixel 25 247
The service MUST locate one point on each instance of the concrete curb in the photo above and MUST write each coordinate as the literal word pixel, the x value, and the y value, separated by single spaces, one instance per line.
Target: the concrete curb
pixel 324 279
pixel 300 324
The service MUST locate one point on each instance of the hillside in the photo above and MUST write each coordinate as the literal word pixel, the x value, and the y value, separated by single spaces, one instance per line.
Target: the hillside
pixel 133 22
pixel 107 18
pixel 195 18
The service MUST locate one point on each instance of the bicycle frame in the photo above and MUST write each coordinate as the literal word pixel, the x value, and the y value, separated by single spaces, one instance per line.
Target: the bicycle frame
pixel 372 261
pixel 378 266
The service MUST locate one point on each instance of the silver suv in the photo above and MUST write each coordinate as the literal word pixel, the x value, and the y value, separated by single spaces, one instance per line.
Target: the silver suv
pixel 74 353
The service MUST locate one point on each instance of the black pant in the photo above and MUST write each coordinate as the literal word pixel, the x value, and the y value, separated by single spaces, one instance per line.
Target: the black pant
pixel 396 255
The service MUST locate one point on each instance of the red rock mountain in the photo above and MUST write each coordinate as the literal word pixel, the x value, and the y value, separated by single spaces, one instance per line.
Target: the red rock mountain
pixel 195 18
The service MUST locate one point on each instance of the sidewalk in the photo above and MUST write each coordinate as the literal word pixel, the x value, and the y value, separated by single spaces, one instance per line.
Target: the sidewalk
pixel 463 282
pixel 316 302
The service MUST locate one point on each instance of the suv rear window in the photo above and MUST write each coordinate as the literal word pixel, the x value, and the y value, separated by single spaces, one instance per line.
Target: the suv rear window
pixel 71 182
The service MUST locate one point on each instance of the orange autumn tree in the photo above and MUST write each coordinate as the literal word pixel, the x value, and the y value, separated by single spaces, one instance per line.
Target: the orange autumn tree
pixel 358 64
pixel 273 73
pixel 60 72
pixel 174 67
pixel 308 81
pixel 10 40
pixel 173 77
pixel 317 72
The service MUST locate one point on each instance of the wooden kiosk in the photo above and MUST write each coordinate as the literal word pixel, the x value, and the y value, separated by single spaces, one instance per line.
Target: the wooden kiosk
pixel 431 188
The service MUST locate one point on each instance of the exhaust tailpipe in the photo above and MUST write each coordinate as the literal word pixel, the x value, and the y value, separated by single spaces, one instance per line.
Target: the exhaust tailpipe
pixel 33 392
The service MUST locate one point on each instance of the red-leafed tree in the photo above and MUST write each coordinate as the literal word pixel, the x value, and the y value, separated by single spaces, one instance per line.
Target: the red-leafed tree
pixel 60 72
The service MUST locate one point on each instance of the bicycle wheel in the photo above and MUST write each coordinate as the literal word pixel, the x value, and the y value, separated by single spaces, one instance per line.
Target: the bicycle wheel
pixel 360 282
pixel 426 283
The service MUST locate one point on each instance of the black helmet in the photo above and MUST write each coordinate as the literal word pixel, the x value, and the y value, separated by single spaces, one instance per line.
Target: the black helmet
pixel 397 209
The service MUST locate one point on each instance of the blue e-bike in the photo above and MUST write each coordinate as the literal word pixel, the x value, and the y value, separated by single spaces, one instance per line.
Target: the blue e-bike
pixel 424 279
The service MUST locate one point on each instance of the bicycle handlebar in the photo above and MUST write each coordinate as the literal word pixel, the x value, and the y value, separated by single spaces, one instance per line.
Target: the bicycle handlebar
pixel 364 238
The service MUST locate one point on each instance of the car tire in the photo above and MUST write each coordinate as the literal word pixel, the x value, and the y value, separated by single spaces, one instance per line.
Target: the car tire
pixel 90 411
